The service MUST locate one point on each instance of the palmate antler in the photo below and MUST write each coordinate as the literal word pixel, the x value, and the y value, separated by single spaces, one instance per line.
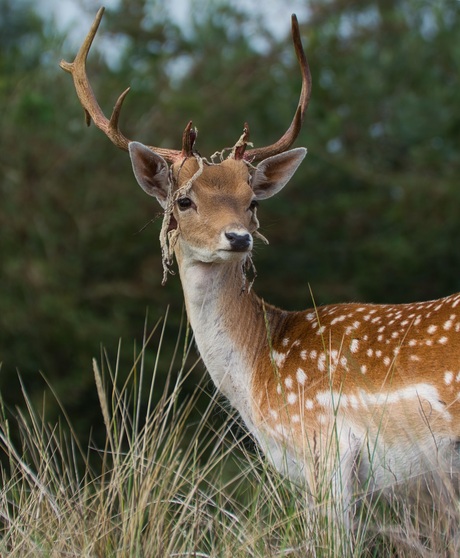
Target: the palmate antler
pixel 110 126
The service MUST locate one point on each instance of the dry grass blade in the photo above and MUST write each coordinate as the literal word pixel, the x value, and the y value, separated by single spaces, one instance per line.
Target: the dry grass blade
pixel 178 485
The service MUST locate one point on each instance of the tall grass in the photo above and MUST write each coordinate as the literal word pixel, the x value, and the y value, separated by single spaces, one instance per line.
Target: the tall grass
pixel 164 484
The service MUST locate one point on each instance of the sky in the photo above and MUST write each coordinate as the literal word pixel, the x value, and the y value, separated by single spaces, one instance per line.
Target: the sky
pixel 70 17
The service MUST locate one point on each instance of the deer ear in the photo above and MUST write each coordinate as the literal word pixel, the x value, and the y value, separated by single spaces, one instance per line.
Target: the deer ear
pixel 272 174
pixel 150 170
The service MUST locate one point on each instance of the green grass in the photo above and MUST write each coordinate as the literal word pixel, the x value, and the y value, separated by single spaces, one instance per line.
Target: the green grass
pixel 167 484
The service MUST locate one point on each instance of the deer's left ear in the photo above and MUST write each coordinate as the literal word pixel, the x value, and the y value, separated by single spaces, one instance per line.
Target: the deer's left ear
pixel 272 174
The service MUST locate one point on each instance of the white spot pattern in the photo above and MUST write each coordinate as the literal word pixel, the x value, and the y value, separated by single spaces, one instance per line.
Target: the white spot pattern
pixel 279 358
pixel 301 376
pixel 354 345
pixel 448 377
pixel 368 345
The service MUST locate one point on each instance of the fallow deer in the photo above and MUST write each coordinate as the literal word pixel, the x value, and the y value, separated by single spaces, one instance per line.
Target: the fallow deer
pixel 369 392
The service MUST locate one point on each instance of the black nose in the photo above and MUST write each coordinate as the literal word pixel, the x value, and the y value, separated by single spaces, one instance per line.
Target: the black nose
pixel 239 242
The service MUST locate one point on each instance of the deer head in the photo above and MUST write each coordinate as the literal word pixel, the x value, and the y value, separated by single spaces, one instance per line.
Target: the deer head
pixel 210 207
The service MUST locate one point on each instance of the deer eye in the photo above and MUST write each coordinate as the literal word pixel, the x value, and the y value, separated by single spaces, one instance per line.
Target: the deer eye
pixel 253 205
pixel 184 203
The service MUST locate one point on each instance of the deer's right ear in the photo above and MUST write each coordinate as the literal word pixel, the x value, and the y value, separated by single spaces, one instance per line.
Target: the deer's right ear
pixel 150 170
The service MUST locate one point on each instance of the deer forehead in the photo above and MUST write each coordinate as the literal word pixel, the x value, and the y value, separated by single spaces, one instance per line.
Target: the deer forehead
pixel 229 179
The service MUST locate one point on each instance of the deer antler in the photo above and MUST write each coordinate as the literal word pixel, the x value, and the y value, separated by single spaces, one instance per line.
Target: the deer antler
pixel 111 129
pixel 292 132
pixel 93 111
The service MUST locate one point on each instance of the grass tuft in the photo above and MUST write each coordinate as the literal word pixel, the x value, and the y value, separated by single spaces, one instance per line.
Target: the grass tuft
pixel 165 484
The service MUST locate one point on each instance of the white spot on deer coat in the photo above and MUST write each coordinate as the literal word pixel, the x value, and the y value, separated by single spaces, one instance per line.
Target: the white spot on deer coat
pixel 322 362
pixel 279 358
pixel 301 376
pixel 354 345
pixel 324 398
pixel 448 377
pixel 288 382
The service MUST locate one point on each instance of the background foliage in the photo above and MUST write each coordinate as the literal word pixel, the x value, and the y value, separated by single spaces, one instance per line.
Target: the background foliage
pixel 372 214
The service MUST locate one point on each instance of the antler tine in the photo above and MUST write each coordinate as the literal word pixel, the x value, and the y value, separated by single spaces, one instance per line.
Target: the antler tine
pixel 188 140
pixel 240 146
pixel 292 132
pixel 85 93
pixel 93 111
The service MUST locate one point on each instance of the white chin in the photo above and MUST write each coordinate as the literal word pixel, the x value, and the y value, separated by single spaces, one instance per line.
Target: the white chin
pixel 222 256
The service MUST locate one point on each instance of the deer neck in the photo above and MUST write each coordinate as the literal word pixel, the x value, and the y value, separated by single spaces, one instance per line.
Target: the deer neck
pixel 228 324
